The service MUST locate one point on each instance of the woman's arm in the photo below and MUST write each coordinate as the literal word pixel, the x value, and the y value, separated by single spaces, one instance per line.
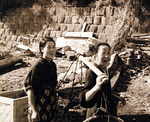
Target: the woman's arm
pixel 91 93
pixel 99 81
pixel 35 114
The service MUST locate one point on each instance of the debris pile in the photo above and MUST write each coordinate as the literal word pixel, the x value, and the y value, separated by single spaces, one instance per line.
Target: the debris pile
pixel 137 57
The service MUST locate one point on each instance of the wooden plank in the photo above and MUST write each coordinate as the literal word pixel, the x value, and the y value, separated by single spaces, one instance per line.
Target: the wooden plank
pixel 24 47
pixel 145 37
pixel 139 45
pixel 140 34
pixel 9 62
pixel 139 41
pixel 145 48
pixel 84 26
pixel 91 66
pixel 6 100
pixel 113 63
pixel 79 34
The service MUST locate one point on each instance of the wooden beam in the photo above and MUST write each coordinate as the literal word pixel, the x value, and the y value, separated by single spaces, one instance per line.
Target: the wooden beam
pixel 116 73
pixel 9 62
pixel 79 34
pixel 138 41
pixel 24 47
pixel 84 26
pixel 140 34
pixel 90 65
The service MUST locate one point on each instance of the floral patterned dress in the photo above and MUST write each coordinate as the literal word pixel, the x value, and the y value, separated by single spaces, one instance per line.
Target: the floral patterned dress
pixel 42 78
pixel 45 103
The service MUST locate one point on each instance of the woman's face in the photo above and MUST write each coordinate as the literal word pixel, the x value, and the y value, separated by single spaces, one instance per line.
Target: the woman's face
pixel 103 55
pixel 49 50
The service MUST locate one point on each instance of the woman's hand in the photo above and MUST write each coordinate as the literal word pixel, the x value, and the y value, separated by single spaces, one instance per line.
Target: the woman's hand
pixel 102 79
pixel 35 116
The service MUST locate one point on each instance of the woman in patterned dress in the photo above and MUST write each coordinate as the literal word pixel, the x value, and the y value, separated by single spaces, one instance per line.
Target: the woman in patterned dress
pixel 40 83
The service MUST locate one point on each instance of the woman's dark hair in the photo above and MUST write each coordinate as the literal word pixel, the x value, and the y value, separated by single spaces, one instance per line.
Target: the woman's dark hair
pixel 43 42
pixel 99 44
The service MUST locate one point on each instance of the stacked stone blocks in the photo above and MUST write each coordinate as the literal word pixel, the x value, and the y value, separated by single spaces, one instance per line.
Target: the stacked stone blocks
pixel 103 21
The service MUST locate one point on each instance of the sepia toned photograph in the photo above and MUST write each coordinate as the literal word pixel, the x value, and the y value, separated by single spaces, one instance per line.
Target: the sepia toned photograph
pixel 74 60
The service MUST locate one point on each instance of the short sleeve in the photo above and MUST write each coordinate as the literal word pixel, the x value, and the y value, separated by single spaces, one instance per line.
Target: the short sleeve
pixel 32 77
pixel 27 82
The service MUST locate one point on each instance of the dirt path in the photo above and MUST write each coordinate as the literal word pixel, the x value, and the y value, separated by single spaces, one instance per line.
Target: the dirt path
pixel 137 96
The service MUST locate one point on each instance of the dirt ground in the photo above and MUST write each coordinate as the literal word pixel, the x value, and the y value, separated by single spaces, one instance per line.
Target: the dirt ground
pixel 133 87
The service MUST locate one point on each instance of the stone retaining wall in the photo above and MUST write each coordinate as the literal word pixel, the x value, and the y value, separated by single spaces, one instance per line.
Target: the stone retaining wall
pixel 109 23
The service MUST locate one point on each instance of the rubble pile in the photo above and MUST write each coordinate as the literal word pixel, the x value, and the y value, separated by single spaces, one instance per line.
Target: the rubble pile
pixel 137 54
pixel 136 59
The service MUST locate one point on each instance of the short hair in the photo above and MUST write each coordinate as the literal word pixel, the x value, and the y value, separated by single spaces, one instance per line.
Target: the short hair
pixel 43 42
pixel 100 44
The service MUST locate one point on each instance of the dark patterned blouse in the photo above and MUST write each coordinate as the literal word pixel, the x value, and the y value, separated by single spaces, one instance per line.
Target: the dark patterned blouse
pixel 42 78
